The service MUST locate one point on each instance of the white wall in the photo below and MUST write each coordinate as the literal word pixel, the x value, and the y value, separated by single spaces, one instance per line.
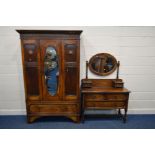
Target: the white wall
pixel 134 47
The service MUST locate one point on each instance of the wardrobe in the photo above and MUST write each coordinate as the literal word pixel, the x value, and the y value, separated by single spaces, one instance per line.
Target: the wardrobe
pixel 51 70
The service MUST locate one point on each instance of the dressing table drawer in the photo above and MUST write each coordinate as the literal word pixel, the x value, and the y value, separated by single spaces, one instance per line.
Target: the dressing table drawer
pixel 104 105
pixel 106 97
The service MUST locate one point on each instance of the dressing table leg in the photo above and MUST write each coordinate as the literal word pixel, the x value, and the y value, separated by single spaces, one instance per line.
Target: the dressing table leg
pixel 119 112
pixel 82 108
pixel 83 118
pixel 125 115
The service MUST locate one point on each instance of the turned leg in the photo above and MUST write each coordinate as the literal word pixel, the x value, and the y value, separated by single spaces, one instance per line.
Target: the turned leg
pixel 82 109
pixel 119 113
pixel 125 111
pixel 125 115
pixel 82 117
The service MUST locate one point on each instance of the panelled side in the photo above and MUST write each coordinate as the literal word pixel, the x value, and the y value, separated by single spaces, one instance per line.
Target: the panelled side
pixel 31 69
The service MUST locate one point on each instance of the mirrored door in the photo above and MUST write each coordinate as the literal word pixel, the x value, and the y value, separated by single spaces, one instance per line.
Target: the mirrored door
pixel 51 69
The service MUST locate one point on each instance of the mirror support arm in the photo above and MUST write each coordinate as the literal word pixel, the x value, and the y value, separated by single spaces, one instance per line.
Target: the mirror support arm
pixel 86 69
pixel 118 64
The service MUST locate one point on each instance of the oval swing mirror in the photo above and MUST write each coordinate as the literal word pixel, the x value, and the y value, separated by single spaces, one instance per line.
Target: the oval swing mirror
pixel 103 64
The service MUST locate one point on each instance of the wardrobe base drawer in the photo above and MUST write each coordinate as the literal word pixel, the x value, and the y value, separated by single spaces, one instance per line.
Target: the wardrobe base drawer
pixel 53 109
pixel 105 97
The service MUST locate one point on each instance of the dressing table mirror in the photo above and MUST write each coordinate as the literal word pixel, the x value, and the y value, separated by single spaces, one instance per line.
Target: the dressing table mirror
pixel 102 64
pixel 103 94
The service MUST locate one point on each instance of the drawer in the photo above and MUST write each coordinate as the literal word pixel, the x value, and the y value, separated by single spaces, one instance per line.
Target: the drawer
pixel 53 109
pixel 104 105
pixel 106 97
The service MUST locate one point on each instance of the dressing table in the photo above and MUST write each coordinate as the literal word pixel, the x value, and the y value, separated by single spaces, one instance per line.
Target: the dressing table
pixel 103 94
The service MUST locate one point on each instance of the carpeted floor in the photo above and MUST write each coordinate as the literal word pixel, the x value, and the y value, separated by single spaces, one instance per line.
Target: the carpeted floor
pixel 134 122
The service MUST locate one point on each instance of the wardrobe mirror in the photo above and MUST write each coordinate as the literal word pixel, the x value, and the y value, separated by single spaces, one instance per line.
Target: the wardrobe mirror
pixel 51 70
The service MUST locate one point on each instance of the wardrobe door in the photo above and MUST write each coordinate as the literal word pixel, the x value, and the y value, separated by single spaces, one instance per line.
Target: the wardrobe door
pixel 51 69
pixel 31 68
pixel 71 69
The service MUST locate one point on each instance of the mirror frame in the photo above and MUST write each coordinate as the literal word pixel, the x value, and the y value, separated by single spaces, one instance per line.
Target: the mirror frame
pixel 51 69
pixel 98 73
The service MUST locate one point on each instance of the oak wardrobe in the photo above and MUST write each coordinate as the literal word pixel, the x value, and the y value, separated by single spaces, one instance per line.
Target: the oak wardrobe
pixel 51 66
